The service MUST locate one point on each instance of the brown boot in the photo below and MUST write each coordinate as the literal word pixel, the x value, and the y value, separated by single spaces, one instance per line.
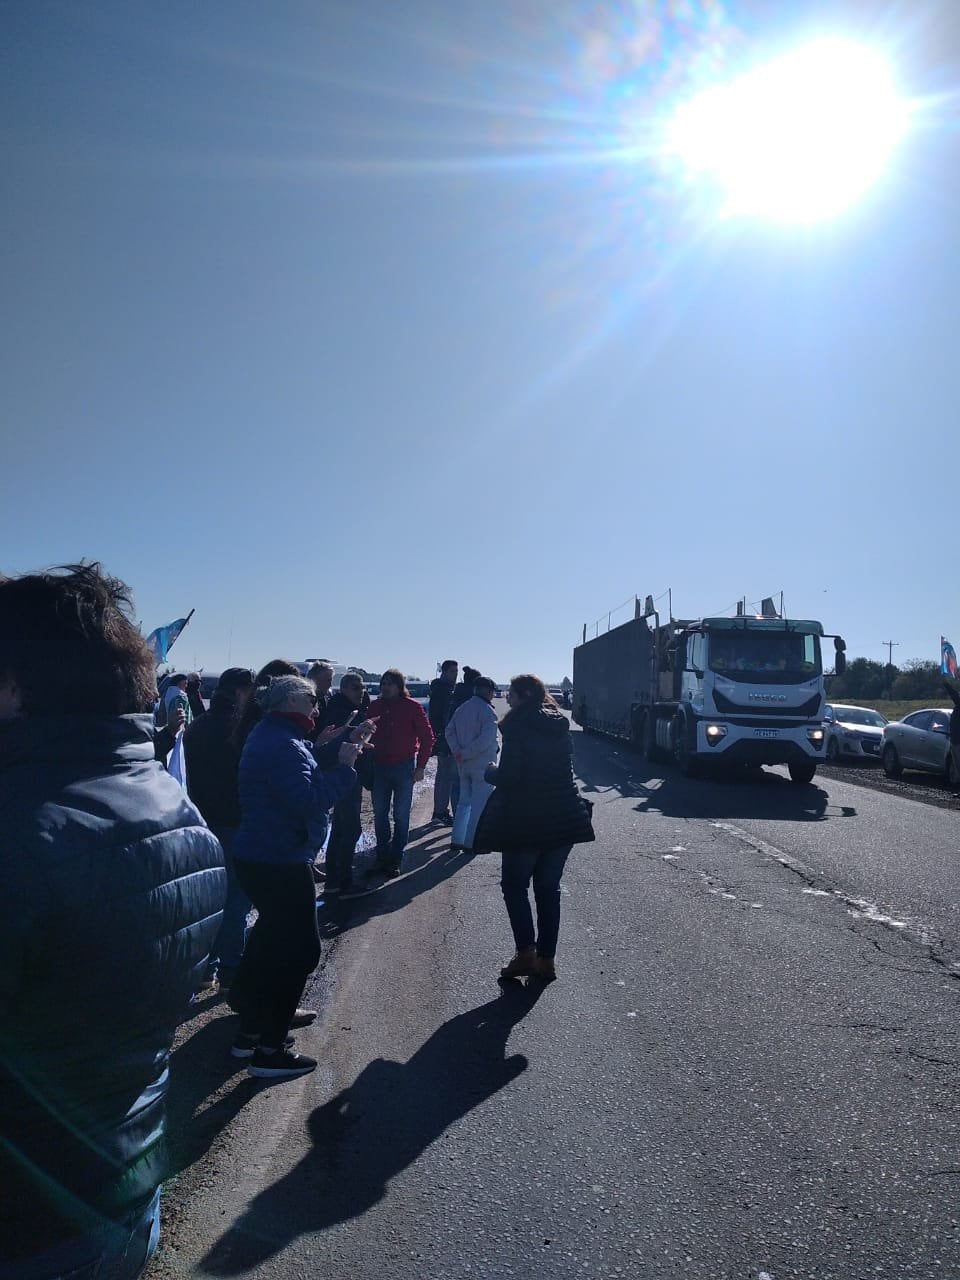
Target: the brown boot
pixel 524 962
pixel 544 969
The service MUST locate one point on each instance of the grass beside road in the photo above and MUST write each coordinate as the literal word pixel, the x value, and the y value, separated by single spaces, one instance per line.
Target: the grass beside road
pixel 893 710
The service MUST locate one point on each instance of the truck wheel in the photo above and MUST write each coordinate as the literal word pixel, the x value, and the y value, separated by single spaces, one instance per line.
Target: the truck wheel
pixel 638 730
pixel 891 761
pixel 686 761
pixel 949 772
pixel 651 751
pixel 833 751
pixel 801 774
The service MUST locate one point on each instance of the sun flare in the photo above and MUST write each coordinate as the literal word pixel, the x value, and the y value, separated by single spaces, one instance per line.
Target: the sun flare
pixel 799 139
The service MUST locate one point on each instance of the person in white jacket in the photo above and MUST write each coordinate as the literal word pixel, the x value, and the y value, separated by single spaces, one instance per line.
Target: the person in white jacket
pixel 472 737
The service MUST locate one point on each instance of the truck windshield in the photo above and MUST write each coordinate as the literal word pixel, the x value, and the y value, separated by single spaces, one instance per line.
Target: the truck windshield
pixel 765 657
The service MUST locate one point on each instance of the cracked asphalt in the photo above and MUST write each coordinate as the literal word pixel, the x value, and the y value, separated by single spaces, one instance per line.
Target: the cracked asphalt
pixel 748 1068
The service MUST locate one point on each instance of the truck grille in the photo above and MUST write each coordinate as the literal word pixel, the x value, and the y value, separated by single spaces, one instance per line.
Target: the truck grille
pixel 805 710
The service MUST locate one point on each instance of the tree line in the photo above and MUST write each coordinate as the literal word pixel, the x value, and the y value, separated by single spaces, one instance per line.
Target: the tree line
pixel 865 678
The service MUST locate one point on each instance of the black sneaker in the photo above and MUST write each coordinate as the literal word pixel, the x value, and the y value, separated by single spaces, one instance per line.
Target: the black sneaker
pixel 281 1064
pixel 303 1018
pixel 391 872
pixel 245 1046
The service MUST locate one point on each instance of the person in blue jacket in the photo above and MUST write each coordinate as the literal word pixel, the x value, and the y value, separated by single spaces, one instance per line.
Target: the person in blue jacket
pixel 284 801
pixel 111 891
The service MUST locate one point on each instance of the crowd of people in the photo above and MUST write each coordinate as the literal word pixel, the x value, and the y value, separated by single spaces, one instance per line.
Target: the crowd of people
pixel 130 884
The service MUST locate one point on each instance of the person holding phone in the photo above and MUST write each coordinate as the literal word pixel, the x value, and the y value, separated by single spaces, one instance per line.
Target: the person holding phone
pixel 344 710
pixel 284 795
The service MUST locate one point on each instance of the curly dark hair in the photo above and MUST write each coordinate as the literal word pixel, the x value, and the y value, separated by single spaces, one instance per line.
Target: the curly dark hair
pixel 68 641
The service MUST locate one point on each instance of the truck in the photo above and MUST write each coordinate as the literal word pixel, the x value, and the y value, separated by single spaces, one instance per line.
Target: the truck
pixel 746 690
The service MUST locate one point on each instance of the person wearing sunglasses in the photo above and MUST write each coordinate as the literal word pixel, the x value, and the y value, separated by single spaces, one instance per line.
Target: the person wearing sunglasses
pixel 284 800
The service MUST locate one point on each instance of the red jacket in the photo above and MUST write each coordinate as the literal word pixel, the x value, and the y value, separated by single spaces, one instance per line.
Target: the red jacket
pixel 403 731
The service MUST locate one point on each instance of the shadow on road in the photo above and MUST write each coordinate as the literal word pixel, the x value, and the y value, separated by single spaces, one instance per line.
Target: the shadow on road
pixel 199 1068
pixel 376 1128
pixel 607 767
pixel 427 863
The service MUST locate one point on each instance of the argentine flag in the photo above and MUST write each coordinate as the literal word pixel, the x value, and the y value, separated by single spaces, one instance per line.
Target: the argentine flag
pixel 162 639
pixel 948 658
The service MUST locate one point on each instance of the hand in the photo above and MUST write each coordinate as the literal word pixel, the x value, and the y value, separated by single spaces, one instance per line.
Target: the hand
pixel 348 753
pixel 364 731
pixel 418 775
pixel 176 720
pixel 325 735
pixel 458 756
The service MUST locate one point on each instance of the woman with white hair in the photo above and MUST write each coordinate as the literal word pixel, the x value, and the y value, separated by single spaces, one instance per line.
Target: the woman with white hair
pixel 284 800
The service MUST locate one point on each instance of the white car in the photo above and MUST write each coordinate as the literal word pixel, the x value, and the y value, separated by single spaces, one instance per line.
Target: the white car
pixel 852 731
pixel 920 740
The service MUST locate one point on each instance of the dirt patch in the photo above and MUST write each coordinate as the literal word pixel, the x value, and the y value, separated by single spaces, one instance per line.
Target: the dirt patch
pixel 925 787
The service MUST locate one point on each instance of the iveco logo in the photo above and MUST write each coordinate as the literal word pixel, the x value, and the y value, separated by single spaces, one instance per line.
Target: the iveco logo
pixel 767 697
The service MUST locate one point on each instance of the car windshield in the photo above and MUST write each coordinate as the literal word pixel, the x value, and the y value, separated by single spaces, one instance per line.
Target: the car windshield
pixel 859 715
pixel 765 657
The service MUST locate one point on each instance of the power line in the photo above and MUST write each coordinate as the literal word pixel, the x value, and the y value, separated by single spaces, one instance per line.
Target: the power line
pixel 891 645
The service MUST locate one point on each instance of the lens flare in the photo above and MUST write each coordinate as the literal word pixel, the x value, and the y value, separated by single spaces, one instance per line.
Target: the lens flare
pixel 799 139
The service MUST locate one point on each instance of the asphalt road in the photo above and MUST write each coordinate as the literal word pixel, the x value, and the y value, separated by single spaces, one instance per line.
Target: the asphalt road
pixel 748 1068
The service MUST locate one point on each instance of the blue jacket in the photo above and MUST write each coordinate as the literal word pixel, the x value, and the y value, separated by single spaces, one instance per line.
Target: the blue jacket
pixel 284 796
pixel 111 891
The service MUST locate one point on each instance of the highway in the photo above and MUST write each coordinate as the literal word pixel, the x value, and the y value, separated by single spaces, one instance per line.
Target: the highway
pixel 748 1068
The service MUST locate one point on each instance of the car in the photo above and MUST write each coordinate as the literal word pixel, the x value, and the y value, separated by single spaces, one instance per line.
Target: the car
pixel 852 731
pixel 920 740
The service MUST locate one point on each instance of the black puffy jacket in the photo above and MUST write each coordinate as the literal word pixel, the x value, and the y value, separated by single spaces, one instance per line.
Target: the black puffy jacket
pixel 536 804
pixel 111 890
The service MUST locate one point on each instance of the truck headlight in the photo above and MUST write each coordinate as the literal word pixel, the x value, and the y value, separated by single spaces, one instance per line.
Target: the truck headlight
pixel 714 733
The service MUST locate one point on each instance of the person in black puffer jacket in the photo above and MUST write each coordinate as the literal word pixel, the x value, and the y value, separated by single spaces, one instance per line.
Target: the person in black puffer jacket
pixel 110 895
pixel 535 816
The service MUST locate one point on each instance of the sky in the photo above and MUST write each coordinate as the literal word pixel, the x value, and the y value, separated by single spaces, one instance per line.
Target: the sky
pixel 387 332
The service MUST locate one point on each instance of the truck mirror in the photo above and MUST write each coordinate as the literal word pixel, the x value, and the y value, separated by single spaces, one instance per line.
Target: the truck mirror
pixel 839 644
pixel 840 665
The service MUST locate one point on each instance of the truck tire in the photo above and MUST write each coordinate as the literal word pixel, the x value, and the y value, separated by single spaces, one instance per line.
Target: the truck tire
pixel 638 721
pixel 801 774
pixel 651 752
pixel 686 761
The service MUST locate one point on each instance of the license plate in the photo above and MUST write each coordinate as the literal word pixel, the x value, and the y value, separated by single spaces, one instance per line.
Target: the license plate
pixel 766 733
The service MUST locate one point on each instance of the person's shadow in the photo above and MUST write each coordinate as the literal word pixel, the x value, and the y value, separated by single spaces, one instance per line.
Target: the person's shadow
pixel 377 1127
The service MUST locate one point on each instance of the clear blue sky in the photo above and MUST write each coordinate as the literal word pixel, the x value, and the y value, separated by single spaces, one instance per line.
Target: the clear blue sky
pixel 350 326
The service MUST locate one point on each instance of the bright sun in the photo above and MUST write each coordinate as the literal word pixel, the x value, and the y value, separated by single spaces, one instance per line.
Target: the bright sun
pixel 799 139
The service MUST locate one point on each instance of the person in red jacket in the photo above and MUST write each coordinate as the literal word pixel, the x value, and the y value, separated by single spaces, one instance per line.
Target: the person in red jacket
pixel 401 748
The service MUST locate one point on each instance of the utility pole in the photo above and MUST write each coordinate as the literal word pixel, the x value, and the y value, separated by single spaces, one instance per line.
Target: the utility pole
pixel 891 645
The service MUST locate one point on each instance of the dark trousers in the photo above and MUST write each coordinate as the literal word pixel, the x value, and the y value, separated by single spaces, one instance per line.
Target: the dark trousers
pixel 282 950
pixel 232 936
pixel 344 834
pixel 443 786
pixel 545 868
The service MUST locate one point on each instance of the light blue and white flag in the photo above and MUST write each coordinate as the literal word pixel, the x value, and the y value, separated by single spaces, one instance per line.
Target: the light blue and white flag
pixel 161 640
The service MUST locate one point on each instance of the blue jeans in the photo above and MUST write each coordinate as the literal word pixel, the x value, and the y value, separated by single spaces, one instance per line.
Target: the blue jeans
pixel 123 1252
pixel 474 793
pixel 545 868
pixel 392 783
pixel 232 935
